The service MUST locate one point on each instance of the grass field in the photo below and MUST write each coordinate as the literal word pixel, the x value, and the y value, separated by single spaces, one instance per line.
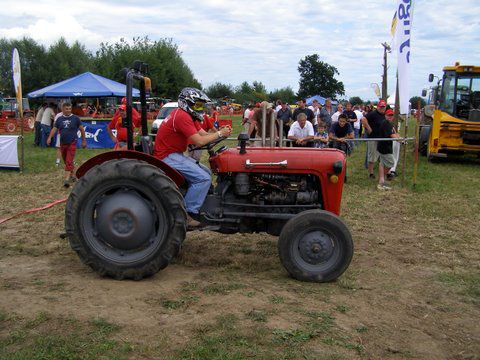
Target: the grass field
pixel 412 290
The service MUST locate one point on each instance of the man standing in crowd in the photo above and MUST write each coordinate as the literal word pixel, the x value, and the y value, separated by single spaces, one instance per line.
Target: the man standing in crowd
pixel 302 109
pixel 38 127
pixel 385 150
pixel 337 113
pixel 372 123
pixel 246 118
pixel 68 126
pixel 180 127
pixel 315 107
pixel 284 115
pixel 116 123
pixel 301 132
pixel 340 131
pixel 389 114
pixel 46 124
pixel 358 124
pixel 326 113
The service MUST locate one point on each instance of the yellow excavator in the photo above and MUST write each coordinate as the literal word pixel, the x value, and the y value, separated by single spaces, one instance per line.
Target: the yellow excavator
pixel 451 121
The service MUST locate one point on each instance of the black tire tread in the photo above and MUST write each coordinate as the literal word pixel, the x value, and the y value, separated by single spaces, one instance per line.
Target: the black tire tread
pixel 149 175
pixel 309 218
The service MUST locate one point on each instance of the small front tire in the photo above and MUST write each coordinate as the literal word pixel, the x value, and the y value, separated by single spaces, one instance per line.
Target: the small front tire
pixel 316 246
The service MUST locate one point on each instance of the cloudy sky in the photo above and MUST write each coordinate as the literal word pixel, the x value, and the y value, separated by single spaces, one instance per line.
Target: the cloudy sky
pixel 234 41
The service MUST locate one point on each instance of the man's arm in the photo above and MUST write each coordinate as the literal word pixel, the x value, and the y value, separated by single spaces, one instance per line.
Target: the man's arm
pixel 82 134
pixel 52 133
pixel 366 125
pixel 202 137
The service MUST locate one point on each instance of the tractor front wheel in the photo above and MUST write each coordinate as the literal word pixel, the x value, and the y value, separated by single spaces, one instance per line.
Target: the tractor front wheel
pixel 125 219
pixel 315 245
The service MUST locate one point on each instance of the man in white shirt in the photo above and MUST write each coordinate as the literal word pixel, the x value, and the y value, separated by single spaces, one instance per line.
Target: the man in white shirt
pixel 315 107
pixel 46 124
pixel 337 114
pixel 301 132
pixel 246 118
pixel 357 124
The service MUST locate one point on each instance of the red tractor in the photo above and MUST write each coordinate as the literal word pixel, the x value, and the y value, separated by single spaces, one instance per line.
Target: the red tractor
pixel 126 217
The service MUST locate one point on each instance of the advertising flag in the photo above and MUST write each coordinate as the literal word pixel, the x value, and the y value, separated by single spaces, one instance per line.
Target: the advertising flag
pixel 17 80
pixel 402 25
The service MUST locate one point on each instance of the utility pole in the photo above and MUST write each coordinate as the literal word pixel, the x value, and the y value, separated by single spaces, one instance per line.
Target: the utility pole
pixel 386 48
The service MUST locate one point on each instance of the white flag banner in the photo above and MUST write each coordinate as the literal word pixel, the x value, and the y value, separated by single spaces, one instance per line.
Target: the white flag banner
pixel 402 28
pixel 17 80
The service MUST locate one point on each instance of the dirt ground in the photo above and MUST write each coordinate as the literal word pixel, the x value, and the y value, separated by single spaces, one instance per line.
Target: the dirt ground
pixel 405 295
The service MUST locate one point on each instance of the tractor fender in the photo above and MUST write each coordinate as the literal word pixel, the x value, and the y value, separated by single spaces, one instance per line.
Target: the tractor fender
pixel 173 174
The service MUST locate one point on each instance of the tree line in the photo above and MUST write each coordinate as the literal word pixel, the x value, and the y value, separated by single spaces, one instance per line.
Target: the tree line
pixel 43 66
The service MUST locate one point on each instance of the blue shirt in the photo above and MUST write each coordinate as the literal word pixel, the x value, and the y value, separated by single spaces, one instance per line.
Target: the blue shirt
pixel 68 128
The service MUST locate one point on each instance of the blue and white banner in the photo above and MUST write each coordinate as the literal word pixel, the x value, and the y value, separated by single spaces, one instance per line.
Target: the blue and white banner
pixel 401 26
pixel 96 134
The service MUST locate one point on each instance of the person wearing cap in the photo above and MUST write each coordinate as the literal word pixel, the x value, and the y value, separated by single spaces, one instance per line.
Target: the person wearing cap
pixel 385 149
pixel 121 136
pixel 372 122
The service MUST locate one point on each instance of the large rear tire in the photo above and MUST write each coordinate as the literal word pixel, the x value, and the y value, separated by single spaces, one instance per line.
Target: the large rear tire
pixel 315 245
pixel 125 219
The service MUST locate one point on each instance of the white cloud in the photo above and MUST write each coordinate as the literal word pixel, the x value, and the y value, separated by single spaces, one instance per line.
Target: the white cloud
pixel 231 41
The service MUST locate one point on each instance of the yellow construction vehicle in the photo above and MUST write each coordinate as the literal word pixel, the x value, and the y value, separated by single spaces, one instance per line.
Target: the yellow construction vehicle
pixel 455 114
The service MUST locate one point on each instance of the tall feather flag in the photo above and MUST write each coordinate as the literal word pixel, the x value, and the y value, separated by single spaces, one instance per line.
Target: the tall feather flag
pixel 401 32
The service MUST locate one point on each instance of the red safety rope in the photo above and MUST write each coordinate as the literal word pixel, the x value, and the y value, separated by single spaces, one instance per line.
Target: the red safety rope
pixel 34 210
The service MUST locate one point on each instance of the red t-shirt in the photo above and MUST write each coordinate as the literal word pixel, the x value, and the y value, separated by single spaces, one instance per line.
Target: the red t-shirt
pixel 174 133
pixel 116 123
pixel 208 123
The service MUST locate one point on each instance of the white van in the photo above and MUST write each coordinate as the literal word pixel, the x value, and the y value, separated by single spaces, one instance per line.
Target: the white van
pixel 162 115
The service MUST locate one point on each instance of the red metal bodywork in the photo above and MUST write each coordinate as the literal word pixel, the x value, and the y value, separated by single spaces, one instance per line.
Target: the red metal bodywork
pixel 130 154
pixel 318 162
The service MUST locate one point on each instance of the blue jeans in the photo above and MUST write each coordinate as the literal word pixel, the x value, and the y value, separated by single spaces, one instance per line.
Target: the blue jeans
pixel 198 178
pixel 45 131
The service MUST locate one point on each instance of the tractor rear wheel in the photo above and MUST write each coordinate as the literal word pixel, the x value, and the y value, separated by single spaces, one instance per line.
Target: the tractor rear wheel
pixel 125 219
pixel 315 245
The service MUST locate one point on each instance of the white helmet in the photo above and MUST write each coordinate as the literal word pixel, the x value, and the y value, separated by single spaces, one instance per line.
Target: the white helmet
pixel 193 101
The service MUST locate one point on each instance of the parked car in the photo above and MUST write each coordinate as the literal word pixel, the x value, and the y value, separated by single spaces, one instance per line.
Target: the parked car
pixel 162 115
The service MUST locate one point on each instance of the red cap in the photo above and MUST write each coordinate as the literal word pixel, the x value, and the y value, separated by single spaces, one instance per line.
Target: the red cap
pixel 123 107
pixel 124 100
pixel 389 112
pixel 382 103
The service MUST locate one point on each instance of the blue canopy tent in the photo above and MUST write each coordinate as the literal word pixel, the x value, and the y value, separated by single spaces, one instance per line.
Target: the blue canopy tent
pixel 319 98
pixel 84 85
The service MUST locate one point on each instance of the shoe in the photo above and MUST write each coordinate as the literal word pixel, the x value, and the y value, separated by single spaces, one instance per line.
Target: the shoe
pixel 383 187
pixel 57 162
pixel 390 176
pixel 371 176
pixel 66 184
pixel 393 173
pixel 192 223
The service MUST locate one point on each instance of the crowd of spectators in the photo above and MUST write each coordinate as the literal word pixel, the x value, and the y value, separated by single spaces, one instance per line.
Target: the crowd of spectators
pixel 334 126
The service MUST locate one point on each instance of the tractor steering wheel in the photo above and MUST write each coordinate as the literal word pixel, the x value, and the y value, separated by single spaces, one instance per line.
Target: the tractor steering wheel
pixel 208 146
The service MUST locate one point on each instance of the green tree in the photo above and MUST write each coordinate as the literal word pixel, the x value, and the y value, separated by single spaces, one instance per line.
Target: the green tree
pixel 33 63
pixel 65 61
pixel 284 94
pixel 355 100
pixel 219 90
pixel 246 93
pixel 167 70
pixel 414 102
pixel 318 78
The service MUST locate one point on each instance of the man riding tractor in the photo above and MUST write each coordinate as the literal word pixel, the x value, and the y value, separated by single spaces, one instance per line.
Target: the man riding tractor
pixel 184 125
